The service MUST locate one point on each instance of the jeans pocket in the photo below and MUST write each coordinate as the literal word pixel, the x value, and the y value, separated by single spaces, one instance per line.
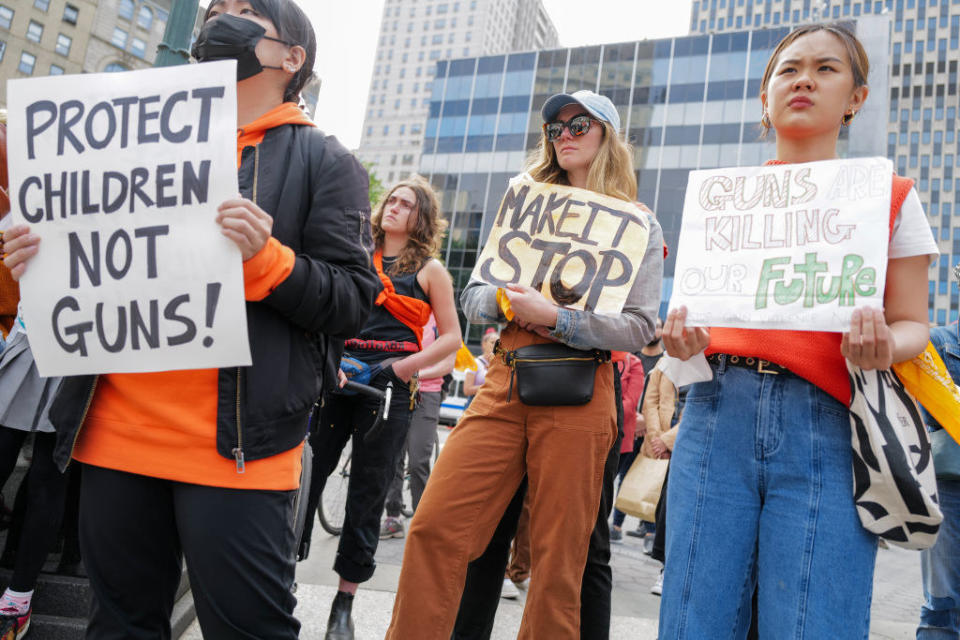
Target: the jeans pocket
pixel 705 391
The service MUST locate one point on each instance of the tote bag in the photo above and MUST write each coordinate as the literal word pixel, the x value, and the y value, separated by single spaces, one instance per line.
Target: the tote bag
pixel 894 484
pixel 640 489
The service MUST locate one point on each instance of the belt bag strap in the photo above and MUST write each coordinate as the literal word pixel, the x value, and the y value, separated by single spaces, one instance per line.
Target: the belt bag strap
pixel 553 374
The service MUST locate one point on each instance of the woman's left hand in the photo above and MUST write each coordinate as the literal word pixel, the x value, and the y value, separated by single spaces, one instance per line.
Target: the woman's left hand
pixel 530 307
pixel 869 343
pixel 246 224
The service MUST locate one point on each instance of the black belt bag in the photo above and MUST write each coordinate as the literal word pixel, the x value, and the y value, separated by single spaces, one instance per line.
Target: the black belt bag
pixel 553 374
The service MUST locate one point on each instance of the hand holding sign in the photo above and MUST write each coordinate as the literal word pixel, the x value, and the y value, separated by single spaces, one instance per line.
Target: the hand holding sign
pixel 530 307
pixel 19 245
pixel 246 224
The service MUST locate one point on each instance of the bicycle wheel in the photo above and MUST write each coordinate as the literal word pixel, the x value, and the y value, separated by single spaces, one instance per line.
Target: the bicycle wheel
pixel 407 508
pixel 333 501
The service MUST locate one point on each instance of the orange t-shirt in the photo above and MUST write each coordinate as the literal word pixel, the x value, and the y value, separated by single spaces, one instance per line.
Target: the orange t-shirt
pixel 164 424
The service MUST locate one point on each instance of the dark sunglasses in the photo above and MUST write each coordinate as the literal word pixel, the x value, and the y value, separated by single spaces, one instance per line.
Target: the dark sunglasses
pixel 578 126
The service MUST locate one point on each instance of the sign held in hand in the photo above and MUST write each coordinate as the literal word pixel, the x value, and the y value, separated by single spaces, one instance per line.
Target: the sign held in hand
pixel 794 246
pixel 581 249
pixel 121 174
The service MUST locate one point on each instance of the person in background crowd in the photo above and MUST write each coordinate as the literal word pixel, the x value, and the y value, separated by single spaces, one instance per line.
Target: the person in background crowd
pixel 473 379
pixel 206 463
pixel 421 438
pixel 24 402
pixel 940 565
pixel 407 232
pixel 649 355
pixel 631 385
pixel 561 449
pixel 761 473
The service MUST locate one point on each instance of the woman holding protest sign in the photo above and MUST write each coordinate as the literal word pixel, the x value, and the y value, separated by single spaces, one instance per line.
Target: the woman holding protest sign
pixel 407 232
pixel 206 463
pixel 766 446
pixel 560 442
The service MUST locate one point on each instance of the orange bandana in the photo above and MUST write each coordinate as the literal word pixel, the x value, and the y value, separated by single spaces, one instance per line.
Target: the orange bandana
pixel 411 312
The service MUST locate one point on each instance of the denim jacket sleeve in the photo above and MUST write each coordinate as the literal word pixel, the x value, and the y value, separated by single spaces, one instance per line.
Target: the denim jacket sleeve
pixel 945 341
pixel 634 326
pixel 627 331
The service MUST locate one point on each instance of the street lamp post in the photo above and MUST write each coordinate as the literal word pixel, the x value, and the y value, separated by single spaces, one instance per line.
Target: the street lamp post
pixel 174 49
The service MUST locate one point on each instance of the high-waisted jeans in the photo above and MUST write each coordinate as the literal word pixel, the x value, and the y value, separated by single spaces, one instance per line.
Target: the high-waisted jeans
pixel 761 494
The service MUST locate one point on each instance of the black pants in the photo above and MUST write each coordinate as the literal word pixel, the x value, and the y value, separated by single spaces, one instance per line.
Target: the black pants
pixel 372 466
pixel 45 490
pixel 238 544
pixel 481 592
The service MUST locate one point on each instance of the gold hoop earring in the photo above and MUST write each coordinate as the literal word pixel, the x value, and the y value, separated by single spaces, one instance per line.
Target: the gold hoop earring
pixel 848 118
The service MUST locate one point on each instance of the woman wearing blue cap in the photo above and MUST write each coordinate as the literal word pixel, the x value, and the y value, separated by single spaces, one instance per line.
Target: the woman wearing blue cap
pixel 561 449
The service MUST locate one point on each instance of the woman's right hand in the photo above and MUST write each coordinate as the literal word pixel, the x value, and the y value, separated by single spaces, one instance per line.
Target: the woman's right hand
pixel 680 341
pixel 18 245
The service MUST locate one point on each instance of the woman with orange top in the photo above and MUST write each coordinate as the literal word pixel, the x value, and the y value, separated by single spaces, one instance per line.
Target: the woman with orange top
pixel 407 232
pixel 206 463
pixel 761 487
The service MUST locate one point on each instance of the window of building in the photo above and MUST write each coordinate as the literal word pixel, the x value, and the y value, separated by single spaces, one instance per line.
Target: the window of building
pixel 71 14
pixel 113 67
pixel 126 9
pixel 145 17
pixel 3 48
pixel 386 129
pixel 43 5
pixel 138 48
pixel 63 44
pixel 56 70
pixel 34 31
pixel 119 38
pixel 27 62
pixel 6 16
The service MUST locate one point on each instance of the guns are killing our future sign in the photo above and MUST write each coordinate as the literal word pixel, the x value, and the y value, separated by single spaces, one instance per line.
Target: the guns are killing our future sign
pixel 581 249
pixel 121 174
pixel 796 246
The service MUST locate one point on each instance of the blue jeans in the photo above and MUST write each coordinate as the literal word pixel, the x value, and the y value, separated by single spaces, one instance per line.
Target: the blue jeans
pixel 761 495
pixel 940 614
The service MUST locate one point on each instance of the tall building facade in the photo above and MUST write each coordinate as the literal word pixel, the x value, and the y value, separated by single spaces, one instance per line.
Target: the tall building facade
pixel 49 37
pixel 685 103
pixel 43 37
pixel 921 96
pixel 414 35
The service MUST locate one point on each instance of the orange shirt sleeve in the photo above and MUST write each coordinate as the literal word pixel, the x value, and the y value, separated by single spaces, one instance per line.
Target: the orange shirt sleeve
pixel 267 269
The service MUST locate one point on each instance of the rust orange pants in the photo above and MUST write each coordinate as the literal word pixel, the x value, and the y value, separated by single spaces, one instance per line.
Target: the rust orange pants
pixel 562 450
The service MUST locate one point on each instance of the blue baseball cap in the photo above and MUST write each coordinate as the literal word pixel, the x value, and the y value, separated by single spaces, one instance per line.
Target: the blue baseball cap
pixel 600 107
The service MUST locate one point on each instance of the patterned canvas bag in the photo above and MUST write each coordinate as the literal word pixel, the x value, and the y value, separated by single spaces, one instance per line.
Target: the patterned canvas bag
pixel 894 485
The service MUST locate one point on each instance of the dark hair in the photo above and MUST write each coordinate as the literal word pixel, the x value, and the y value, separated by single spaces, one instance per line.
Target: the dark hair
pixel 293 26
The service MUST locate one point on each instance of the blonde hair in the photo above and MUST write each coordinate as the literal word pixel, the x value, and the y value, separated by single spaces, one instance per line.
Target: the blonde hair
pixel 3 116
pixel 424 240
pixel 611 171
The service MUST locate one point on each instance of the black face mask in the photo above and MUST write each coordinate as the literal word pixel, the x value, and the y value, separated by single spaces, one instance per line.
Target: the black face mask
pixel 228 37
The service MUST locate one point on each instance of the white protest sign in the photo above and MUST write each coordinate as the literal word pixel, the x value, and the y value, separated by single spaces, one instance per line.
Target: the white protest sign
pixel 581 249
pixel 795 246
pixel 121 174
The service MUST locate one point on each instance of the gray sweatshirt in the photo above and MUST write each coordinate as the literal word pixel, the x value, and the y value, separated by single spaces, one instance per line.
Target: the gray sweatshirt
pixel 627 331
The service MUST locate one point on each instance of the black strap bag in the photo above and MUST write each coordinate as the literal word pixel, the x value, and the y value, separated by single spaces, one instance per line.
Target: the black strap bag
pixel 552 374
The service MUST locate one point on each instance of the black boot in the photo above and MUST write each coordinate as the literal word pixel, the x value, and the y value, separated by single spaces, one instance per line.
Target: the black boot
pixel 340 624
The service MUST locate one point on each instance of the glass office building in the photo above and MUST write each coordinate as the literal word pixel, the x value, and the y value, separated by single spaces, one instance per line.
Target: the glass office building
pixel 685 103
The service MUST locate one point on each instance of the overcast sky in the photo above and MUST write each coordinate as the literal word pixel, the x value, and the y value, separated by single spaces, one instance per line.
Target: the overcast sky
pixel 347 40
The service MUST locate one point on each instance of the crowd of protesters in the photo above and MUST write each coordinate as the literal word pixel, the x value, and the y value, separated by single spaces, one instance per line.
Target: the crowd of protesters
pixel 523 493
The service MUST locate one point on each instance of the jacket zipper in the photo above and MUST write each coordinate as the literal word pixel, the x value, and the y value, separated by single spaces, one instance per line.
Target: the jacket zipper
pixel 83 418
pixel 238 450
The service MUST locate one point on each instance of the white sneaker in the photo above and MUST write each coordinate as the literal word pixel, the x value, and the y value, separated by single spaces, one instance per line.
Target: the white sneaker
pixel 509 590
pixel 657 588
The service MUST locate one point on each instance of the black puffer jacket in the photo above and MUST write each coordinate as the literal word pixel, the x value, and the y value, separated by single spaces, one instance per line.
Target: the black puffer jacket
pixel 316 192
